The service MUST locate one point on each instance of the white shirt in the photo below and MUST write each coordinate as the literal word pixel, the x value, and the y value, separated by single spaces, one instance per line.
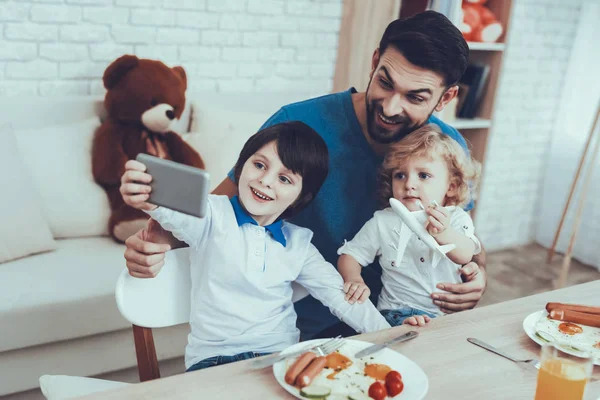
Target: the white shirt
pixel 241 283
pixel 408 277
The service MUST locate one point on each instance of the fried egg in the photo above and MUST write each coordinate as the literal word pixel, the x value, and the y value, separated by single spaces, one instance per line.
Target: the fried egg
pixel 568 335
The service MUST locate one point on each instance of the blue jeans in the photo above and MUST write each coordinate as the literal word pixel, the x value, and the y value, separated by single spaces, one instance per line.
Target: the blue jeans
pixel 219 360
pixel 397 317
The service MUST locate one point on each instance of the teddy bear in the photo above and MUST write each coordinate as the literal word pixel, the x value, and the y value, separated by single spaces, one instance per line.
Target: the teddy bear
pixel 479 24
pixel 143 98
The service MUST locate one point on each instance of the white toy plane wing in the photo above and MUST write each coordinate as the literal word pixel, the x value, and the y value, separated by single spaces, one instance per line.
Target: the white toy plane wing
pixel 415 220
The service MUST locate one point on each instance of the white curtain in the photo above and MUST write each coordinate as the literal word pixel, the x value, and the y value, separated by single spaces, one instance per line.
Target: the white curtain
pixel 580 98
pixel 363 24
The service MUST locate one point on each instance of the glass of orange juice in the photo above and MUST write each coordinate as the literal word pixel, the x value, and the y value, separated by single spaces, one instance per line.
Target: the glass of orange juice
pixel 561 375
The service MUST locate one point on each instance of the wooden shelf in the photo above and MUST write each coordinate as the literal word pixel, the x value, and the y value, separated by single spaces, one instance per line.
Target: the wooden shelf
pixel 474 123
pixel 477 46
pixel 476 131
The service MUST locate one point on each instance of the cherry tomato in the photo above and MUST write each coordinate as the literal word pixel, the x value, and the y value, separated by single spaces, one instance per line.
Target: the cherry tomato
pixel 377 391
pixel 394 386
pixel 393 374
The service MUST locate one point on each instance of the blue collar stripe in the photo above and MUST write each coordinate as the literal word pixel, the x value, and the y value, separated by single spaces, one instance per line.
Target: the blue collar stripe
pixel 242 217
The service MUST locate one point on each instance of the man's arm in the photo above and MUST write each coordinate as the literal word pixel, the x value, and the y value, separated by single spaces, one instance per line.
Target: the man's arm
pixel 466 295
pixel 226 188
pixel 480 260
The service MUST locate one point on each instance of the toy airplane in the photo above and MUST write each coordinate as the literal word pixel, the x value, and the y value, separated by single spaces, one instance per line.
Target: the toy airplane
pixel 415 220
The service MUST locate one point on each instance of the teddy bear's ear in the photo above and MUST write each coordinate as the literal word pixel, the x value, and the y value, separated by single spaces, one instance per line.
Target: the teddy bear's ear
pixel 118 69
pixel 179 71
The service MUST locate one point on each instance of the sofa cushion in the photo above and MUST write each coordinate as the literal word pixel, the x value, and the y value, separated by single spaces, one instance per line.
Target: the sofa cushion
pixel 59 159
pixel 60 295
pixel 24 229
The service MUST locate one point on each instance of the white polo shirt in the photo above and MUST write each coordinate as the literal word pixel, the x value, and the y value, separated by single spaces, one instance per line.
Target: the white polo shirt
pixel 408 277
pixel 241 281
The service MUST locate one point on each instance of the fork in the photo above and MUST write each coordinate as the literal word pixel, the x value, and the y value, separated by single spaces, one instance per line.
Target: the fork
pixel 531 361
pixel 322 349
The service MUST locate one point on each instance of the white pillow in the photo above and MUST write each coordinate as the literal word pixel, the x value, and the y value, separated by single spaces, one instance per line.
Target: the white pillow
pixel 219 134
pixel 59 159
pixel 24 229
pixel 61 387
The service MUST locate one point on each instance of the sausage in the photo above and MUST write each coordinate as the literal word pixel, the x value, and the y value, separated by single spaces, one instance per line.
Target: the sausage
pixel 309 373
pixel 298 366
pixel 573 307
pixel 576 317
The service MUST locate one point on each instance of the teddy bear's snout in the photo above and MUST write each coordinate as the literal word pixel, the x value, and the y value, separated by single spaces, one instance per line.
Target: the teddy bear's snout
pixel 158 119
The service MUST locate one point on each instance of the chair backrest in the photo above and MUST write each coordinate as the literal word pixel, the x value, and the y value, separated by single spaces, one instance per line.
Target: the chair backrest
pixel 160 302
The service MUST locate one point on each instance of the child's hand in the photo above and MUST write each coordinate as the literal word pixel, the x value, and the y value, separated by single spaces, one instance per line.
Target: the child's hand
pixel 356 291
pixel 135 187
pixel 469 271
pixel 417 320
pixel 438 220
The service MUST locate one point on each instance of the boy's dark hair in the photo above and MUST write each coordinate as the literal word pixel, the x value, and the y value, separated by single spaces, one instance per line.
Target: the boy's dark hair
pixel 302 150
pixel 429 40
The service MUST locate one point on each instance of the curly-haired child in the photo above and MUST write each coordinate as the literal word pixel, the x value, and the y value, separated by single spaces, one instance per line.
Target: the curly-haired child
pixel 425 169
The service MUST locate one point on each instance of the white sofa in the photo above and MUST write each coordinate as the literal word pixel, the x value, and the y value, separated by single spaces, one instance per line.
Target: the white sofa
pixel 57 309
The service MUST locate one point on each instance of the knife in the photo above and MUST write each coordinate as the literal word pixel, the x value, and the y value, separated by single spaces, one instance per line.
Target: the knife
pixel 376 347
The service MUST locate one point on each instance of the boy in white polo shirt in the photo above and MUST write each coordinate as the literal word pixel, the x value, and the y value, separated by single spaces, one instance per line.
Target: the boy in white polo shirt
pixel 245 255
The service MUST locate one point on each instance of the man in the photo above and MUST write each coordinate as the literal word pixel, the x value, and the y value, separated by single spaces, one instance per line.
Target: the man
pixel 414 73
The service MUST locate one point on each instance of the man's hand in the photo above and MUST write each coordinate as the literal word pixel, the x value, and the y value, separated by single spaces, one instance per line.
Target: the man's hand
pixel 145 253
pixel 462 296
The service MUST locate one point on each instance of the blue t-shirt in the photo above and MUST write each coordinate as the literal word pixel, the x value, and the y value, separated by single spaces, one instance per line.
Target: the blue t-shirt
pixel 348 197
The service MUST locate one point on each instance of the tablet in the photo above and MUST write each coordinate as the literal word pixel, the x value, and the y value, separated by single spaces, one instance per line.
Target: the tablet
pixel 177 186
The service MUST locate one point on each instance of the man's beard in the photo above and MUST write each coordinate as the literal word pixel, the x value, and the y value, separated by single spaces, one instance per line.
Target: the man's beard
pixel 384 136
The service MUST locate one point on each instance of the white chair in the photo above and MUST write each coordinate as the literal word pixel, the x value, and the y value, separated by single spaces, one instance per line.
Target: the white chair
pixel 160 302
pixel 155 303
pixel 147 303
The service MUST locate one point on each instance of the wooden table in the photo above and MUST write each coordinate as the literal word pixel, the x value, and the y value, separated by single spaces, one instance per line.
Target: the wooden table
pixel 456 368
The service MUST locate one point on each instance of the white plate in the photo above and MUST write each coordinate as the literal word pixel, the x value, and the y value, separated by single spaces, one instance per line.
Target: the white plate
pixel 416 383
pixel 529 324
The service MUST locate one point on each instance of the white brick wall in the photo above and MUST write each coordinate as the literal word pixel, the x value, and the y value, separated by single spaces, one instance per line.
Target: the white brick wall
pixel 535 61
pixel 61 47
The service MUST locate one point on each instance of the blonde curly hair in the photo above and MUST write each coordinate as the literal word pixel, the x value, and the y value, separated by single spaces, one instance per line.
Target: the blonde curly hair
pixel 429 141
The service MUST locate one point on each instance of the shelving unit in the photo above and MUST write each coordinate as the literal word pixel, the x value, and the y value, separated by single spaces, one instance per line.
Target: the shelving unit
pixel 477 130
pixel 362 25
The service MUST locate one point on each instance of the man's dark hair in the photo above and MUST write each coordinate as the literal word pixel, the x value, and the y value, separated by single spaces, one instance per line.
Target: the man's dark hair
pixel 302 150
pixel 429 40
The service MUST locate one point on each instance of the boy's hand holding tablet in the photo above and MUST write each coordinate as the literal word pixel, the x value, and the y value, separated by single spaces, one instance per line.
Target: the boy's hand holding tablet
pixel 150 181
